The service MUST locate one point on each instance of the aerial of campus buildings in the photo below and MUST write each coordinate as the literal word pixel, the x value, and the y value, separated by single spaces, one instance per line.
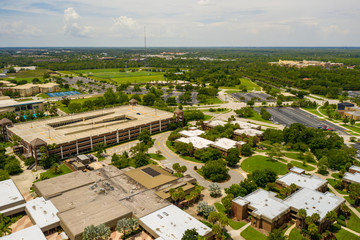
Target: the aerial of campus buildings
pixel 130 145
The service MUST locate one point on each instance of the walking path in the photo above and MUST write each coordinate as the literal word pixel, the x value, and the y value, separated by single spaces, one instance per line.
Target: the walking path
pixel 351 231
pixel 235 234
pixel 287 233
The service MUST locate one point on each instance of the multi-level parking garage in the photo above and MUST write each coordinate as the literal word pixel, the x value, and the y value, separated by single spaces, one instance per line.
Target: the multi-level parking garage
pixel 79 133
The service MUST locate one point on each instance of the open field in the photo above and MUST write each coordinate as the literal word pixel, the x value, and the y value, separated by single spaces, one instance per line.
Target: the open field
pixel 38 73
pixel 250 85
pixel 260 162
pixel 122 77
pixel 51 173
pixel 343 234
pixel 296 235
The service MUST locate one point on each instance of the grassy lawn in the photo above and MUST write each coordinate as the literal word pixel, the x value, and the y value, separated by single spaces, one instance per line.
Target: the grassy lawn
pixel 192 159
pixel 250 85
pixel 260 162
pixel 296 235
pixel 38 73
pixel 122 77
pixel 251 234
pixel 257 117
pixel 313 110
pixel 207 117
pixel 300 165
pixel 50 173
pixel 236 225
pixel 353 222
pixel 219 207
pixel 156 156
pixel 293 155
pixel 332 183
pixel 336 175
pixel 353 128
pixel 343 234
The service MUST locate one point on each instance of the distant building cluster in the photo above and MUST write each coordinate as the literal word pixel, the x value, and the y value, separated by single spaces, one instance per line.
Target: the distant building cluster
pixel 350 110
pixel 305 63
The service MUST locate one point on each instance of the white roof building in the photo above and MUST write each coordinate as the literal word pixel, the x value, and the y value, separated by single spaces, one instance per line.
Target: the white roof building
pixel 215 123
pixel 264 203
pixel 297 170
pixel 191 133
pixel 249 132
pixel 170 223
pixel 314 202
pixel 30 233
pixel 351 177
pixel 197 142
pixel 301 180
pixel 11 200
pixel 355 168
pixel 43 213
pixel 246 125
pixel 226 144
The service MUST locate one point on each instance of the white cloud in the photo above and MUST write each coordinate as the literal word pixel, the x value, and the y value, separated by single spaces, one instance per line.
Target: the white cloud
pixel 204 2
pixel 125 27
pixel 72 24
pixel 18 28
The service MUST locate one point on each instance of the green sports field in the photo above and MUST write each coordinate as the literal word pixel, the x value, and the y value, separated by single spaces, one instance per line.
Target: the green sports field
pixel 122 77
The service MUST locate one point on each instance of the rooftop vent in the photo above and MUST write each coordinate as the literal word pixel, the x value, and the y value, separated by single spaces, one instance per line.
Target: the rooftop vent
pixel 165 213
pixel 159 216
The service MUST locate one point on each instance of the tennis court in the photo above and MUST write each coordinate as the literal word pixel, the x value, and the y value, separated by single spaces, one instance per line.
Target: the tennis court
pixel 62 94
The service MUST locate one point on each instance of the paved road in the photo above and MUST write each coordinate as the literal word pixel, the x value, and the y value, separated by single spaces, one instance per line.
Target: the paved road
pixel 171 158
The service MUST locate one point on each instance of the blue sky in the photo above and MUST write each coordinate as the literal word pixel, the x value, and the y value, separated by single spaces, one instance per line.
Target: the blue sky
pixel 120 23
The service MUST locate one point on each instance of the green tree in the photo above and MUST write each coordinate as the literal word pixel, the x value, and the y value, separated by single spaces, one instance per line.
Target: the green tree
pixel 276 234
pixel 74 107
pixel 145 137
pixel 218 231
pixel 190 234
pixel 4 175
pixel 313 229
pixel 171 101
pixel 141 159
pixel 110 96
pixel 149 99
pixel 100 149
pixel 233 157
pixel 215 190
pixel 100 232
pixel 215 170
pixel 65 101
pixel 227 202
pixel 345 120
pixel 302 215
pixel 246 150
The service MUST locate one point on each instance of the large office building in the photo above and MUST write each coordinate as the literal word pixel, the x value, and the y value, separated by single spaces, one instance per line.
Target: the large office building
pixel 79 133
pixel 105 195
pixel 10 105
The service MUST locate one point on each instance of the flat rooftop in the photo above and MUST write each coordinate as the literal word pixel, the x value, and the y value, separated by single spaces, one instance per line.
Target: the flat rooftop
pixel 197 142
pixel 12 103
pixel 302 180
pixel 30 233
pixel 215 123
pixel 352 177
pixel 314 202
pixel 100 196
pixel 246 125
pixel 191 133
pixel 297 170
pixel 151 176
pixel 355 168
pixel 72 127
pixel 43 212
pixel 249 132
pixel 264 203
pixel 9 195
pixel 226 143
pixel 171 222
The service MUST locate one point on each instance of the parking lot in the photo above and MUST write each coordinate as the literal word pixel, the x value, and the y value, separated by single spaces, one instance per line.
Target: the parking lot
pixel 258 97
pixel 287 116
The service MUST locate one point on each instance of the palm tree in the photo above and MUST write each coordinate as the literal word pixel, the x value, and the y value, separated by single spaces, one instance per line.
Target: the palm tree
pixel 315 217
pixel 5 223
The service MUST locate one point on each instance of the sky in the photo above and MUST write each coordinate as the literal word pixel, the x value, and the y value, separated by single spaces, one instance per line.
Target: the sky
pixel 179 23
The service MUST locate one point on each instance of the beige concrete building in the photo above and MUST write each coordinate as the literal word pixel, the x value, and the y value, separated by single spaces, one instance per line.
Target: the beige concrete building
pixel 32 89
pixel 10 105
pixel 108 194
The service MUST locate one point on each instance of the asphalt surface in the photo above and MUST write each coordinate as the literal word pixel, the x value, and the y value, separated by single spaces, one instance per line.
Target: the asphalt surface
pixel 250 95
pixel 287 116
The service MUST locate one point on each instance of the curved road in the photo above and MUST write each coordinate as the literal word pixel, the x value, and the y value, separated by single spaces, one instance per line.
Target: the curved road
pixel 171 158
